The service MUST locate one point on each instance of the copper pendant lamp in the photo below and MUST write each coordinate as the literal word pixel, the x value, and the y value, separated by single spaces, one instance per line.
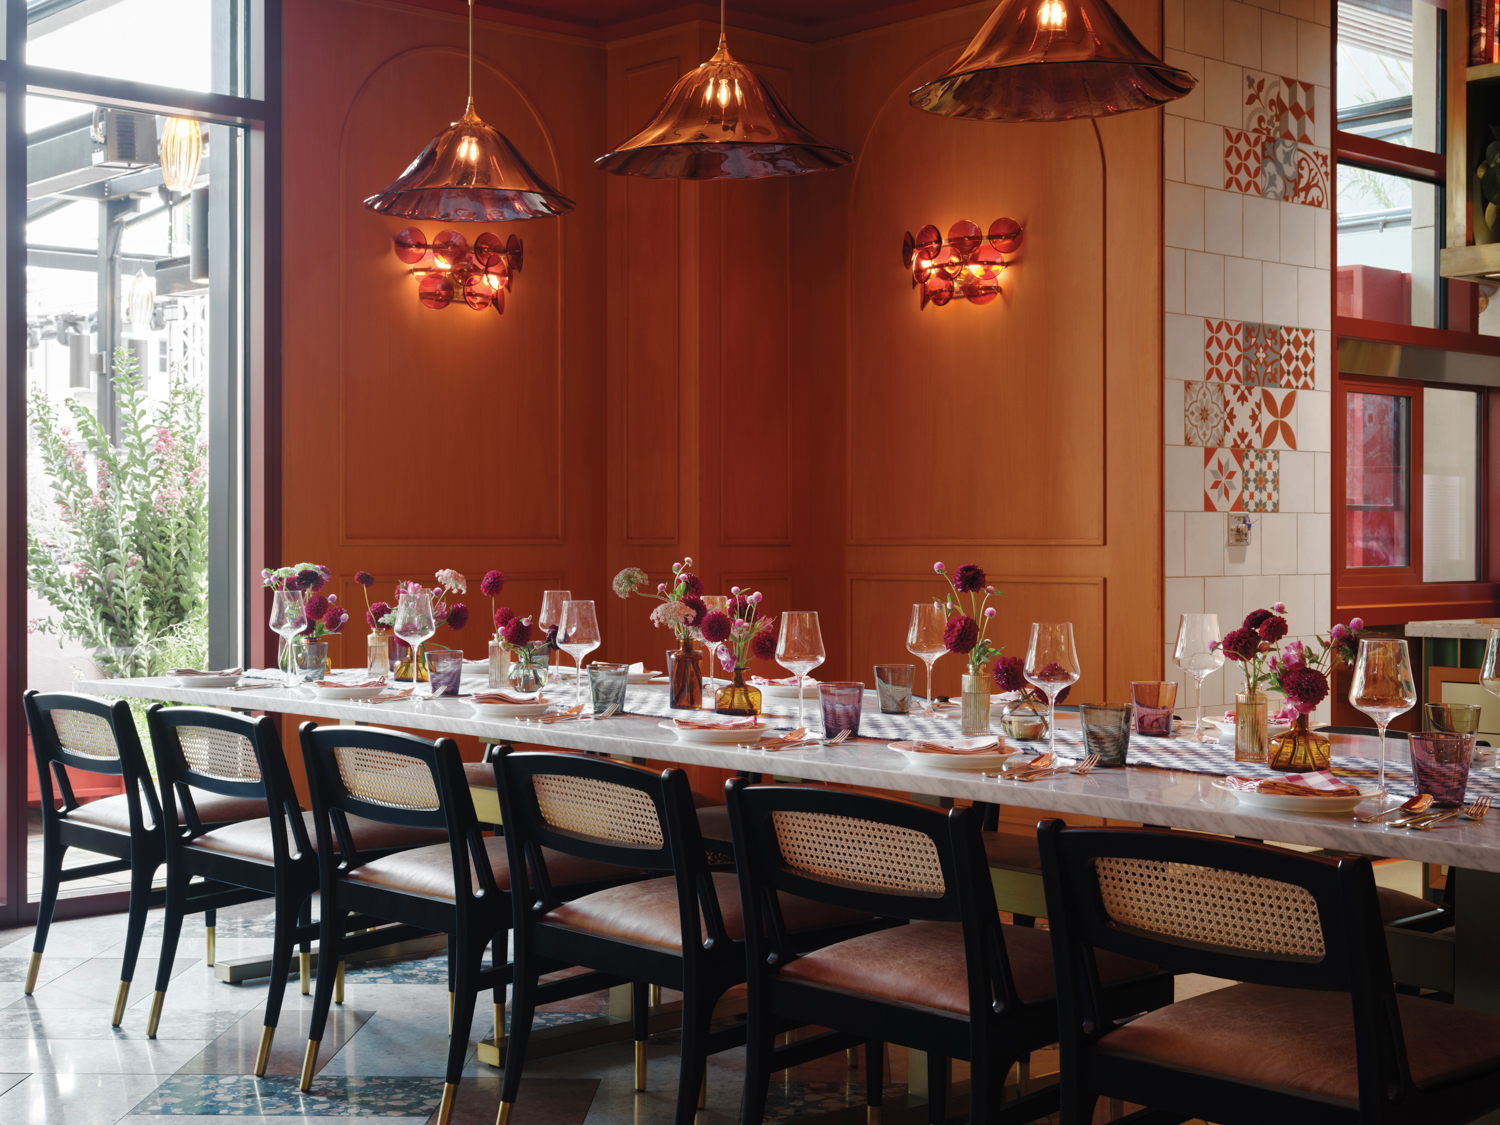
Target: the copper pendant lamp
pixel 1052 60
pixel 722 121
pixel 470 173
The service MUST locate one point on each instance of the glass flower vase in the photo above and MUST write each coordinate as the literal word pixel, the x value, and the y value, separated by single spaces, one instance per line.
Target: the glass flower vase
pixel 1299 750
pixel 528 668
pixel 686 675
pixel 974 716
pixel 377 655
pixel 737 697
pixel 1251 727
pixel 403 663
pixel 499 670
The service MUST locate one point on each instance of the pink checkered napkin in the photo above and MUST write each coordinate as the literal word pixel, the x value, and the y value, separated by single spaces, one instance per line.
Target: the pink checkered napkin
pixel 1320 780
pixel 720 724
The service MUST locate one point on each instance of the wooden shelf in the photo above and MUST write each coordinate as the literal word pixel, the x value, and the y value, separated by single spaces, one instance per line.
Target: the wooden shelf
pixel 1471 263
pixel 1483 75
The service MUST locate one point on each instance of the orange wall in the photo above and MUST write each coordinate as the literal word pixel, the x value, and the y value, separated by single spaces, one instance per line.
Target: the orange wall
pixel 733 371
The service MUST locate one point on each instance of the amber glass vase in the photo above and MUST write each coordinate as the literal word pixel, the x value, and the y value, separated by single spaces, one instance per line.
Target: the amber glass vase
pixel 403 664
pixel 738 698
pixel 1299 750
pixel 686 676
pixel 1251 726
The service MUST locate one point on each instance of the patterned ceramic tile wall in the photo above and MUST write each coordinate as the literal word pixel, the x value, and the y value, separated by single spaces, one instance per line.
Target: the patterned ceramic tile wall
pixel 1246 199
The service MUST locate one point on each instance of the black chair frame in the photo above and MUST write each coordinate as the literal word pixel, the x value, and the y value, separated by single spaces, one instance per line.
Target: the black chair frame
pixel 1002 1028
pixel 711 962
pixel 1355 961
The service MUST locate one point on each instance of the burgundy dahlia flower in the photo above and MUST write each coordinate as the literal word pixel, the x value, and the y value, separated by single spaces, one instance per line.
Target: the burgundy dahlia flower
pixel 517 631
pixel 458 617
pixel 698 606
pixel 376 612
pixel 364 578
pixel 763 645
pixel 316 607
pixel 492 583
pixel 1273 629
pixel 1255 617
pixel 969 579
pixel 1010 674
pixel 715 627
pixel 961 635
pixel 692 585
pixel 502 615
pixel 1241 644
pixel 1304 688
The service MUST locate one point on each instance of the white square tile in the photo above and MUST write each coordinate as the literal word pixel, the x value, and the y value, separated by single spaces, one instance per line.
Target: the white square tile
pixel 1174 269
pixel 1243 561
pixel 1183 207
pixel 1242 34
pixel 1224 93
pixel 1323 482
pixel 1205 284
pixel 1278 44
pixel 1278 547
pixel 1314 554
pixel 1223 222
pixel 1297 234
pixel 1312 52
pixel 1179 596
pixel 1172 406
pixel 1322 237
pixel 1184 342
pixel 1322 603
pixel 1297 473
pixel 1226 597
pixel 1203 28
pixel 1279 293
pixel 1297 594
pixel 1171 24
pixel 1314 421
pixel 1322 116
pixel 1242 289
pixel 1262 228
pixel 1191 105
pixel 1262 591
pixel 1323 360
pixel 1203 153
pixel 1171 148
pixel 1204 532
pixel 1182 466
pixel 1173 545
pixel 1314 297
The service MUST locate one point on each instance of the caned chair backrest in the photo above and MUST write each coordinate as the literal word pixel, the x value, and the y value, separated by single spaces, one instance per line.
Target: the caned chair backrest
pixel 83 732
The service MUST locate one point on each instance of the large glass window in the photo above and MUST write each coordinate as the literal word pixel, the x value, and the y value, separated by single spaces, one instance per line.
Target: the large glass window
pixel 1377 485
pixel 1388 52
pixel 1450 470
pixel 163 42
pixel 1387 247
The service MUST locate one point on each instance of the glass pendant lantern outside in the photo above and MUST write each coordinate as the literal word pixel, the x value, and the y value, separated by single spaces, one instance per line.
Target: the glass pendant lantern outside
pixel 470 173
pixel 722 121
pixel 1052 60
pixel 180 151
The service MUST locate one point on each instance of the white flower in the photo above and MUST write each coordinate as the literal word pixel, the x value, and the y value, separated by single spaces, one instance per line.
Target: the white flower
pixel 672 614
pixel 453 581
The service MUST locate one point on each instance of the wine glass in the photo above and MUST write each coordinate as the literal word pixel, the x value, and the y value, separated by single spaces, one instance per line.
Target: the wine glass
pixel 1052 664
pixel 924 638
pixel 1382 687
pixel 578 635
pixel 288 618
pixel 552 611
pixel 1199 653
pixel 414 624
pixel 713 602
pixel 1489 675
pixel 800 648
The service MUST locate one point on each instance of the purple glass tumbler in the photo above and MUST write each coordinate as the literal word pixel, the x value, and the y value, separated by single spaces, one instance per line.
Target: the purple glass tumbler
pixel 1440 765
pixel 842 704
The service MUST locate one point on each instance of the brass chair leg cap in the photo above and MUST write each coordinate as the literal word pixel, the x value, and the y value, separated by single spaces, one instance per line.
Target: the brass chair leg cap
pixel 640 1065
pixel 872 1114
pixel 154 1019
pixel 445 1108
pixel 263 1054
pixel 210 946
pixel 309 1064
pixel 503 1117
pixel 31 972
pixel 121 997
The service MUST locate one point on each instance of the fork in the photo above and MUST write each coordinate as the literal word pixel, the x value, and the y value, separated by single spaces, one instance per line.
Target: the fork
pixel 836 739
pixel 1477 810
pixel 608 712
pixel 1081 768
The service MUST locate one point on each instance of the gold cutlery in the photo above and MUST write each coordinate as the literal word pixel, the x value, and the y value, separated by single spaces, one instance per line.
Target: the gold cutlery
pixel 1413 806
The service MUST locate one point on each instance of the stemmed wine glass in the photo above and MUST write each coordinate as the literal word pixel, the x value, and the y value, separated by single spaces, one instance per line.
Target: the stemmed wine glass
pixel 713 601
pixel 552 611
pixel 924 638
pixel 1382 687
pixel 289 618
pixel 1199 654
pixel 578 635
pixel 1052 664
pixel 800 649
pixel 414 623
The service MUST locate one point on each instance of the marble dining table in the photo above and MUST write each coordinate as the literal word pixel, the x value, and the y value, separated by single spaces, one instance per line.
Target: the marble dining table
pixel 1178 798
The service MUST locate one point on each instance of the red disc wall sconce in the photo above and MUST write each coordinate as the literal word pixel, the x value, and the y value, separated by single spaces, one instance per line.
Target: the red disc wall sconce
pixel 451 270
pixel 967 264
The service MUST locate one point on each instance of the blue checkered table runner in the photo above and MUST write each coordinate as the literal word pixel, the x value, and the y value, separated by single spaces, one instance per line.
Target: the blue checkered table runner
pixel 781 714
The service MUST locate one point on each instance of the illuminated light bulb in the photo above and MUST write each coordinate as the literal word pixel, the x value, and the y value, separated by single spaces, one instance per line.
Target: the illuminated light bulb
pixel 1052 14
pixel 723 92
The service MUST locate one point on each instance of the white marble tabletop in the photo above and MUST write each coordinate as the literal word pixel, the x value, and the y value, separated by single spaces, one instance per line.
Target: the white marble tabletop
pixel 1140 794
pixel 1466 629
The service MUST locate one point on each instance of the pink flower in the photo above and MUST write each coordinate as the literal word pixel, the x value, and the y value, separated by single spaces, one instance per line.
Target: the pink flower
pixel 1356 624
pixel 938 568
pixel 989 611
pixel 1294 655
pixel 80 571
pixel 1278 607
pixel 452 581
pixel 1337 633
pixel 492 583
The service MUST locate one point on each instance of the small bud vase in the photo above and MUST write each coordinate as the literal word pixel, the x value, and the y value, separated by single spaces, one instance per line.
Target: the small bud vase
pixel 499 671
pixel 403 664
pixel 686 675
pixel 974 717
pixel 738 698
pixel 1299 750
pixel 377 655
pixel 1251 727
pixel 528 668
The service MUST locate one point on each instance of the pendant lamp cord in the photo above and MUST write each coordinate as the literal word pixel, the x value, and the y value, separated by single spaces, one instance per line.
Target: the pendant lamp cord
pixel 721 18
pixel 471 53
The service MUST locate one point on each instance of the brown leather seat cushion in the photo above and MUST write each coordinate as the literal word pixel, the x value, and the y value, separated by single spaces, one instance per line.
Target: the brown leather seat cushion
pixel 922 964
pixel 429 870
pixel 1395 905
pixel 647 912
pixel 1301 1040
pixel 251 839
pixel 1015 853
pixel 480 775
pixel 713 823
pixel 114 812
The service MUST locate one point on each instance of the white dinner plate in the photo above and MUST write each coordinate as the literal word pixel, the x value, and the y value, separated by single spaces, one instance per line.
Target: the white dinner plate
pixel 644 677
pixel 510 710
pixel 787 691
pixel 1275 802
pixel 207 681
pixel 347 692
pixel 958 761
pixel 736 737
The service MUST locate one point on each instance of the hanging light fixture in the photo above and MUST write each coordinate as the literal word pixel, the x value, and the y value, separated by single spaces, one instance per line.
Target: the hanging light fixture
pixel 1052 60
pixel 722 121
pixel 140 301
pixel 180 151
pixel 470 173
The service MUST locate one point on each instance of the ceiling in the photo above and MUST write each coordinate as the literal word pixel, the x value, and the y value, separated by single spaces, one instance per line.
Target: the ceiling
pixel 806 20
